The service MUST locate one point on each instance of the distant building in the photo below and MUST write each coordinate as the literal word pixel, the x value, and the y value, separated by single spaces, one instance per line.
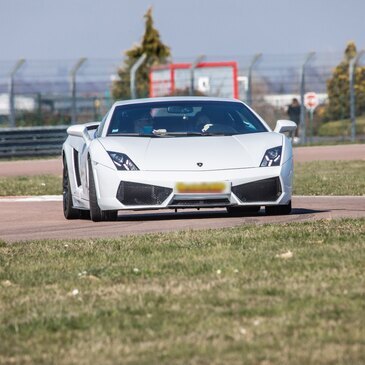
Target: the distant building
pixel 22 103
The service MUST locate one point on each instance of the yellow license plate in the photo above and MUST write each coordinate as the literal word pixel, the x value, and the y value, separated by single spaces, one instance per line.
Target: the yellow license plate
pixel 202 188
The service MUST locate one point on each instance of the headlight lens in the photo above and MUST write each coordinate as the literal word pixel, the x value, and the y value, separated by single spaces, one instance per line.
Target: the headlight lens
pixel 272 157
pixel 122 162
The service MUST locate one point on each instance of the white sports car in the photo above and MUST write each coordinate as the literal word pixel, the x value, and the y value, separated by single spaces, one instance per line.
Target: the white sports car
pixel 177 152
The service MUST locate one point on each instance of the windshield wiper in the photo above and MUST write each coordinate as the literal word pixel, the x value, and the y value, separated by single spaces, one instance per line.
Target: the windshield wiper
pixel 186 133
pixel 216 134
pixel 124 134
pixel 132 135
pixel 183 134
pixel 189 134
pixel 165 133
pixel 198 134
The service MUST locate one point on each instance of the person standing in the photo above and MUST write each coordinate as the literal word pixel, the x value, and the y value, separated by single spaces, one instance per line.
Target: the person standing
pixel 294 115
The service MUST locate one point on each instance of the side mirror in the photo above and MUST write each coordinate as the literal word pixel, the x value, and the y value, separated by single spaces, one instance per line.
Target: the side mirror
pixel 79 130
pixel 283 126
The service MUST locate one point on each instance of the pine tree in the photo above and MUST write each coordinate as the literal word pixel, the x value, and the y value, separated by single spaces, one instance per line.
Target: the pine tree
pixel 339 91
pixel 157 53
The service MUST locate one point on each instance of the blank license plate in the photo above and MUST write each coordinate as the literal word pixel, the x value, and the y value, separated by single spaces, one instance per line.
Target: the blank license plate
pixel 219 187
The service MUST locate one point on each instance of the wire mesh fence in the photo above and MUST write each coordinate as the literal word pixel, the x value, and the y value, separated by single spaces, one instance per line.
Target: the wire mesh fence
pixel 53 92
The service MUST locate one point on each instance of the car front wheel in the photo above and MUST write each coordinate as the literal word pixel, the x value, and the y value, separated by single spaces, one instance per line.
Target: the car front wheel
pixel 96 214
pixel 68 210
pixel 242 211
pixel 278 209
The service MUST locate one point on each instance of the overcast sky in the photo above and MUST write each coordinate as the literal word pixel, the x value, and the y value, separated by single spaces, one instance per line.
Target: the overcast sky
pixel 68 29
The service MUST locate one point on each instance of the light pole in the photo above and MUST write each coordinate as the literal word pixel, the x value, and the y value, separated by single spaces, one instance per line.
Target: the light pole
pixel 302 92
pixel 17 66
pixel 352 67
pixel 73 73
pixel 132 74
pixel 254 61
pixel 194 65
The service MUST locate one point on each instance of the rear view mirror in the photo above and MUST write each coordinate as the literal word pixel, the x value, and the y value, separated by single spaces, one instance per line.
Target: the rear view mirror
pixel 76 130
pixel 79 130
pixel 177 109
pixel 283 126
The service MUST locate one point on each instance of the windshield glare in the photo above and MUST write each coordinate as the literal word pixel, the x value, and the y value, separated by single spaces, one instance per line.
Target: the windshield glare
pixel 184 118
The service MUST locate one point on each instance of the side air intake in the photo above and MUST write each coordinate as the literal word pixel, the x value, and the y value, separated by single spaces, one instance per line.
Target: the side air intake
pixel 130 193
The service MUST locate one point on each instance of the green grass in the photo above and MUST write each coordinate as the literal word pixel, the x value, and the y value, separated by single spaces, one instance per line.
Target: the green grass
pixel 30 185
pixel 310 178
pixel 330 178
pixel 202 297
pixel 329 143
pixel 341 127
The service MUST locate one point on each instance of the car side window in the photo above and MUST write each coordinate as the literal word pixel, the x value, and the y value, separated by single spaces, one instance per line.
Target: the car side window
pixel 246 125
pixel 99 131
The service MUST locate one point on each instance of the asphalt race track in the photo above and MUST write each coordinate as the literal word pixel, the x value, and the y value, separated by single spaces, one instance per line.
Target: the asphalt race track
pixel 42 218
pixel 28 220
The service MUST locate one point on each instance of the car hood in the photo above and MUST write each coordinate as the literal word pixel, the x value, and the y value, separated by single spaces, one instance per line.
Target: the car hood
pixel 188 153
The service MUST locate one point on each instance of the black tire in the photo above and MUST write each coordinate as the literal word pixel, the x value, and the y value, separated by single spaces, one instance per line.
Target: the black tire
pixel 96 214
pixel 68 210
pixel 242 211
pixel 84 214
pixel 278 209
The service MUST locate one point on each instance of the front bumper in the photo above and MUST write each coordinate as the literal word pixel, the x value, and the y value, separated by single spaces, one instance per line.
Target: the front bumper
pixel 118 190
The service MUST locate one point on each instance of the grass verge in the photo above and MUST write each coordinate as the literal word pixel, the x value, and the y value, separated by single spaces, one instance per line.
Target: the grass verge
pixel 341 128
pixel 310 178
pixel 188 297
pixel 30 185
pixel 330 178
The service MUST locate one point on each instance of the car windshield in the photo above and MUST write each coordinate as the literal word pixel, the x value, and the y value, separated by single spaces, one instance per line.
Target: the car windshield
pixel 184 119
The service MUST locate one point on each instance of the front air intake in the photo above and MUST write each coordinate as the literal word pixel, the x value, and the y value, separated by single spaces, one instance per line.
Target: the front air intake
pixel 267 190
pixel 130 193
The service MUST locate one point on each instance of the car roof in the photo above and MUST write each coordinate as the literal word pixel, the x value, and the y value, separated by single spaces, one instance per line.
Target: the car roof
pixel 174 98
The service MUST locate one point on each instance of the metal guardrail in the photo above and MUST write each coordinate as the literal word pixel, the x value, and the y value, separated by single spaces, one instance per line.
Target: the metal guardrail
pixel 32 141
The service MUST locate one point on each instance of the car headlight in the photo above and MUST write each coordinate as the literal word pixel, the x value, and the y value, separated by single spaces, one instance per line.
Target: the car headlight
pixel 272 157
pixel 122 161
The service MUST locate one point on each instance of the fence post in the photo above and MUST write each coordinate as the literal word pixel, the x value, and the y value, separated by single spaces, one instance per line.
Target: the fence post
pixel 17 66
pixel 302 123
pixel 73 73
pixel 196 62
pixel 255 59
pixel 352 75
pixel 133 71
